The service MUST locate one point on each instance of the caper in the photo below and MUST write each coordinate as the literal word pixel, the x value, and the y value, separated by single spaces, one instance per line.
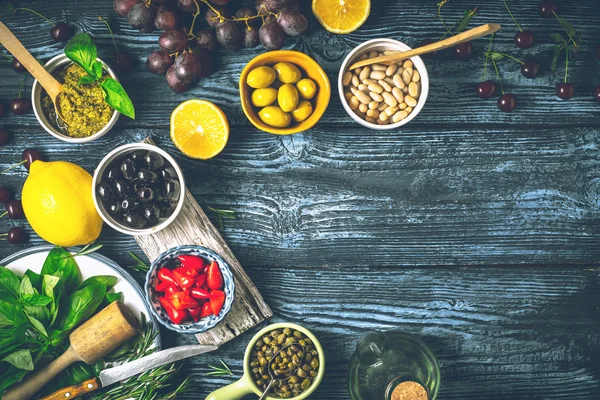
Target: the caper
pixel 275 333
pixel 281 338
pixel 267 340
pixel 308 358
pixel 263 361
pixel 312 373
pixel 293 379
pixel 314 363
pixel 298 334
pixel 287 331
pixel 301 373
pixel 259 382
pixel 306 367
pixel 289 341
pixel 305 384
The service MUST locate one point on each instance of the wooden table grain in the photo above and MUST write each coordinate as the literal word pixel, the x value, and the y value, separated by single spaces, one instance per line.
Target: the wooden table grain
pixel 477 230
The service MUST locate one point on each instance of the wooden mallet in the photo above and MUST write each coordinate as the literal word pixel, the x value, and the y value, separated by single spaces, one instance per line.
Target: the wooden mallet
pixel 93 340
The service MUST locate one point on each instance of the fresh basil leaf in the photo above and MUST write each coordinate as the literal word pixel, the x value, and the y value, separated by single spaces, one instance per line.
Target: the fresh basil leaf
pixel 110 297
pixel 60 263
pixel 82 51
pixel 97 70
pixel 4 321
pixel 41 313
pixel 557 37
pixel 37 325
pixel 49 284
pixel 86 80
pixel 11 312
pixel 35 279
pixel 20 359
pixel 35 300
pixel 117 98
pixel 54 309
pixel 82 304
pixel 26 287
pixel 107 280
pixel 79 372
pixel 9 282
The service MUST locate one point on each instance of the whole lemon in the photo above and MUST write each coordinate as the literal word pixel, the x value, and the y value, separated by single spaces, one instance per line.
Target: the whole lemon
pixel 57 200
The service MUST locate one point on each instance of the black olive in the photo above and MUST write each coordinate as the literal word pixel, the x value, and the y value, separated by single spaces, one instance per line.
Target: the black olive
pixel 167 173
pixel 165 210
pixel 146 175
pixel 128 169
pixel 129 204
pixel 151 213
pixel 145 194
pixel 113 172
pixel 105 192
pixel 154 160
pixel 172 191
pixel 138 157
pixel 122 189
pixel 115 208
pixel 135 219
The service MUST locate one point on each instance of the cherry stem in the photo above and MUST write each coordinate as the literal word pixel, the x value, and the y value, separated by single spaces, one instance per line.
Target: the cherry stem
pixel 513 18
pixel 5 212
pixel 498 75
pixel 487 57
pixel 561 23
pixel 439 15
pixel 111 32
pixel 35 12
pixel 7 57
pixel 22 83
pixel 566 63
pixel 13 166
pixel 511 57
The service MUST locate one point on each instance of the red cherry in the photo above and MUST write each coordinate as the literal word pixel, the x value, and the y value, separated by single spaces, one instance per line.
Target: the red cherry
pixel 547 7
pixel 29 156
pixel 61 32
pixel 507 102
pixel 16 235
pixel 19 106
pixel 5 194
pixel 485 90
pixel 597 95
pixel 524 40
pixel 17 66
pixel 530 69
pixel 565 90
pixel 463 50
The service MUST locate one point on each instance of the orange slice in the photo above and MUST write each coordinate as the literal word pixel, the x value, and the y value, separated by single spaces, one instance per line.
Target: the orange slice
pixel 199 129
pixel 341 16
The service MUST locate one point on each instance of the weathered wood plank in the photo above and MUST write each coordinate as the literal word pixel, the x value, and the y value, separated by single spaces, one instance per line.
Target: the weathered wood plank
pixel 192 226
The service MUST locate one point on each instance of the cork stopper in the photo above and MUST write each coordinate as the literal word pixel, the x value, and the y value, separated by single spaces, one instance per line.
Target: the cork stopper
pixel 409 390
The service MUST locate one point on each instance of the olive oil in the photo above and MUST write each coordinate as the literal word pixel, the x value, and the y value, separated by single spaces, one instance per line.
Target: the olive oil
pixel 392 365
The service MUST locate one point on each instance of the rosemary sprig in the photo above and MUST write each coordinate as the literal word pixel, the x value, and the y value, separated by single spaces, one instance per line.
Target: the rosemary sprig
pixel 87 249
pixel 219 371
pixel 140 265
pixel 220 214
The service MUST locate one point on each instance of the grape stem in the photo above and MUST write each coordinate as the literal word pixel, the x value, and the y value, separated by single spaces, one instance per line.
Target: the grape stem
pixel 35 12
pixel 13 166
pixel 222 19
pixel 497 75
pixel 190 34
pixel 513 18
pixel 487 57
pixel 111 33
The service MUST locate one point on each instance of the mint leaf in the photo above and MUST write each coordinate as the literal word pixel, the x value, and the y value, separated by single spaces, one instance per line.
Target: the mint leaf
pixel 117 98
pixel 82 51
pixel 20 359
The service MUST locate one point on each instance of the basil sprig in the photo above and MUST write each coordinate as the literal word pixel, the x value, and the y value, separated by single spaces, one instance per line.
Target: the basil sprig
pixel 82 51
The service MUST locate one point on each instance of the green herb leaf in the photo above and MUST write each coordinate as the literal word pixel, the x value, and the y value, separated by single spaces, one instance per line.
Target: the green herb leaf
pixel 35 300
pixel 117 98
pixel 496 56
pixel 34 278
pixel 82 304
pixel 37 325
pixel 97 69
pixel 60 263
pixel 462 24
pixel 86 80
pixel 141 266
pixel 20 359
pixel 11 312
pixel 87 249
pixel 568 27
pixel 557 37
pixel 110 297
pixel 107 280
pixel 26 287
pixel 9 282
pixel 82 51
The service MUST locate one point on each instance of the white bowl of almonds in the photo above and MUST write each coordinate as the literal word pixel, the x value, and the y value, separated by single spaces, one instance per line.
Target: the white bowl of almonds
pixel 383 96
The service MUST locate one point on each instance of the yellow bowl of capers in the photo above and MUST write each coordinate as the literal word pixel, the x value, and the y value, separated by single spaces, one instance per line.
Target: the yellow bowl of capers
pixel 307 360
pixel 284 92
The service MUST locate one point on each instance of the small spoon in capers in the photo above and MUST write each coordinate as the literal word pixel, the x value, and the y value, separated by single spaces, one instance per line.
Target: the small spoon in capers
pixel 280 374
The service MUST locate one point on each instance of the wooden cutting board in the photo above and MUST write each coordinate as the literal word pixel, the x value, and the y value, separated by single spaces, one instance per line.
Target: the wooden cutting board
pixel 192 226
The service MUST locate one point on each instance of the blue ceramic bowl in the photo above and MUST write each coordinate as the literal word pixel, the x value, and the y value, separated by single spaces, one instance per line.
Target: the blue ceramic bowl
pixel 166 259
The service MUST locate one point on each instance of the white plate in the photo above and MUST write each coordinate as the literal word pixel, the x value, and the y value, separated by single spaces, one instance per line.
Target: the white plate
pixel 89 265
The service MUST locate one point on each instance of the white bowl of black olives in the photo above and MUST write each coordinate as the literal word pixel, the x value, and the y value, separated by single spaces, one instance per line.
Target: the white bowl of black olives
pixel 138 189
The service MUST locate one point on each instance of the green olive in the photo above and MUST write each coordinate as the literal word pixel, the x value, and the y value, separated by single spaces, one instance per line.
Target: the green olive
pixel 307 88
pixel 303 111
pixel 277 118
pixel 261 77
pixel 287 72
pixel 264 97
pixel 287 97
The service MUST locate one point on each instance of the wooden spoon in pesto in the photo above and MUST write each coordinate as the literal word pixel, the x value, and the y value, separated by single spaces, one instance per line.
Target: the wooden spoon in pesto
pixel 48 82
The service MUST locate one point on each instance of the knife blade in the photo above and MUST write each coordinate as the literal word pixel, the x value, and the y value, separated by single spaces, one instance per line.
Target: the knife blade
pixel 119 373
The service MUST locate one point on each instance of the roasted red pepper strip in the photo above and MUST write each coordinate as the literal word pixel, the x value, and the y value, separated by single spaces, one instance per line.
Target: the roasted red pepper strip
pixel 184 281
pixel 200 293
pixel 217 298
pixel 181 300
pixel 176 316
pixel 201 280
pixel 166 275
pixel 214 278
pixel 195 313
pixel 206 310
pixel 193 262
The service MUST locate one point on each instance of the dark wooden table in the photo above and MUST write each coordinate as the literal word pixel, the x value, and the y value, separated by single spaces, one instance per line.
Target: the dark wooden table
pixel 476 230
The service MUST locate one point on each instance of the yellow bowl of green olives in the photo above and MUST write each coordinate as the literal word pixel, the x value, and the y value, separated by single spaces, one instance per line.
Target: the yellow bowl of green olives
pixel 309 360
pixel 284 92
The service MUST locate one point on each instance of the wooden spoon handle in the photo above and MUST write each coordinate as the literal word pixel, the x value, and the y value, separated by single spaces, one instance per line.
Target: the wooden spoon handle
pixel 466 36
pixel 32 384
pixel 12 44
pixel 72 392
